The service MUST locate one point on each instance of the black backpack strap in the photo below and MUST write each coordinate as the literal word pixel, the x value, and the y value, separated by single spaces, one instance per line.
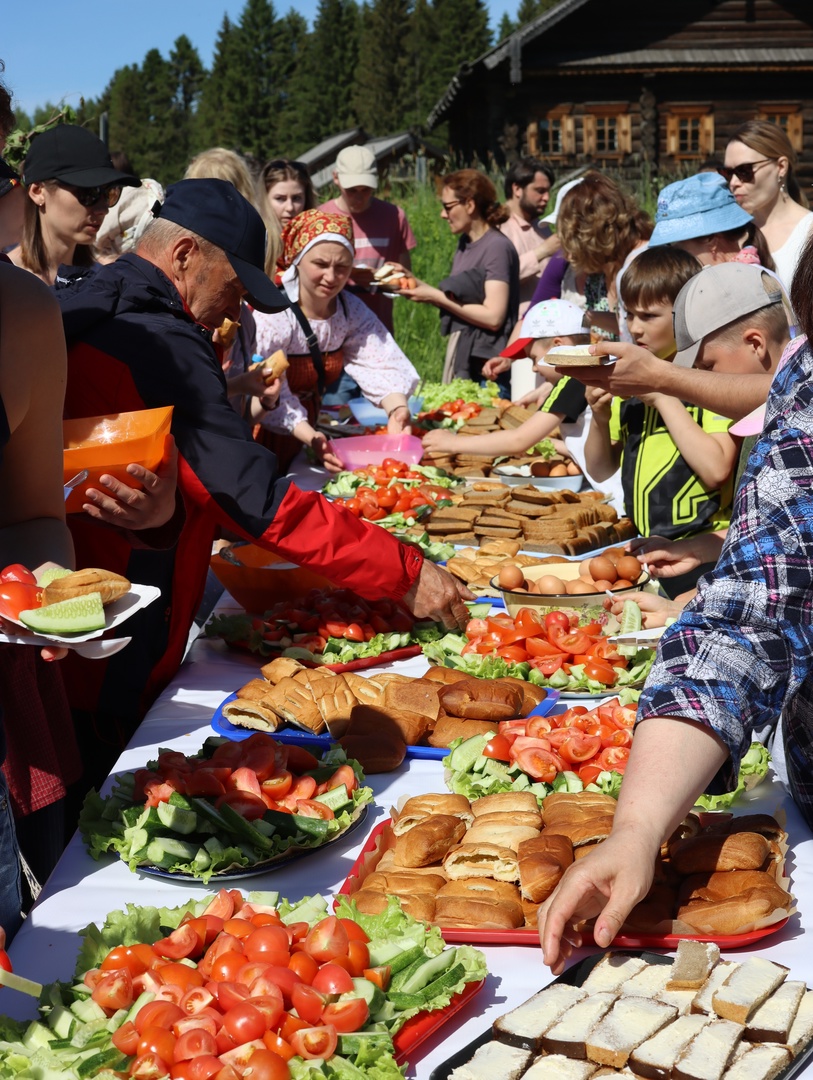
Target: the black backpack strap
pixel 313 345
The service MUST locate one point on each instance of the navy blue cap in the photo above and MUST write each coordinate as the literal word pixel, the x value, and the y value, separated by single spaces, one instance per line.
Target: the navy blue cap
pixel 215 210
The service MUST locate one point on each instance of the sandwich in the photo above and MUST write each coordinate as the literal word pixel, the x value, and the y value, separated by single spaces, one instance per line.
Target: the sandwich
pixel 573 356
pixel 273 367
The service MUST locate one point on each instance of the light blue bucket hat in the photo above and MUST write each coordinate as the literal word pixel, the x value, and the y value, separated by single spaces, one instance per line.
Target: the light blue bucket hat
pixel 701 205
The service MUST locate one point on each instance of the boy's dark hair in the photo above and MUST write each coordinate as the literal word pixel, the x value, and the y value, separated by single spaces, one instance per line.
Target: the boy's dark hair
pixel 656 276
pixel 523 171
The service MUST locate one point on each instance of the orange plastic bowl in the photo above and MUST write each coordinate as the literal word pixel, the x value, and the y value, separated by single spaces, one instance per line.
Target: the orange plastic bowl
pixel 108 444
pixel 263 578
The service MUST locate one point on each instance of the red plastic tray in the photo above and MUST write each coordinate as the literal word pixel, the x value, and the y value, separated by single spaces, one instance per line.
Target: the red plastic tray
pixel 420 1027
pixel 527 935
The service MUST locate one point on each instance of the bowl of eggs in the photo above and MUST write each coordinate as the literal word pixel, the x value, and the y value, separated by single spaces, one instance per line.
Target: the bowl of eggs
pixel 569 584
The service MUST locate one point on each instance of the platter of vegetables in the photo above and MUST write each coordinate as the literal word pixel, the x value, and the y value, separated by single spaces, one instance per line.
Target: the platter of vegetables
pixel 235 809
pixel 336 628
pixel 245 986
pixel 567 752
pixel 550 650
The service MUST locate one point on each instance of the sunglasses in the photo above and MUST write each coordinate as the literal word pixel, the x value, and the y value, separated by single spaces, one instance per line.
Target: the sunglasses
pixel 109 194
pixel 284 163
pixel 447 206
pixel 744 173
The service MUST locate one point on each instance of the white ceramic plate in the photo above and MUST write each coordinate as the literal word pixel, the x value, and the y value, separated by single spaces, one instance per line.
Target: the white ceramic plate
pixel 139 596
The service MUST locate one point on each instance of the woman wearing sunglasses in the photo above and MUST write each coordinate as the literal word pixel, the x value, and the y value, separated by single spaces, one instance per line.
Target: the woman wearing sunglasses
pixel 71 184
pixel 759 163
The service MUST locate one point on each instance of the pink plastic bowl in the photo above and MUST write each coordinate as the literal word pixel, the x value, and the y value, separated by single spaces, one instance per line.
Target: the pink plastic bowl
pixel 362 450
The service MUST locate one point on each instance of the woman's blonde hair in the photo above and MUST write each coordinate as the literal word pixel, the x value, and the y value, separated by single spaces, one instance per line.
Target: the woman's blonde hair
pixel 599 224
pixel 770 141
pixel 33 252
pixel 221 164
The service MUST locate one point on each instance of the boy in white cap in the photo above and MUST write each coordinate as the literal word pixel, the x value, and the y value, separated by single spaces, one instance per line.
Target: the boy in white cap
pixel 551 323
pixel 381 232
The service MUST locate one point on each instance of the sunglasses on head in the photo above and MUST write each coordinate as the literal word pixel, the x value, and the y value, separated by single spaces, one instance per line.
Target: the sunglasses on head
pixel 284 163
pixel 109 194
pixel 744 173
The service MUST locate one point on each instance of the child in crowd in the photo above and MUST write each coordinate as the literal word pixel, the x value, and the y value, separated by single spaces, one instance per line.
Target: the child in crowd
pixel 733 320
pixel 551 323
pixel 677 461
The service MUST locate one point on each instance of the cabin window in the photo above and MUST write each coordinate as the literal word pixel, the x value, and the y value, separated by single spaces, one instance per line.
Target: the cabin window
pixel 607 130
pixel 553 134
pixel 788 117
pixel 690 132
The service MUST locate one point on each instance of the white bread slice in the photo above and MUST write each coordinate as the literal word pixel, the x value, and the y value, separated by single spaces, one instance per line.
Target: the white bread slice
pixel 802 1030
pixel 650 981
pixel 569 1034
pixel 683 1000
pixel 559 1067
pixel 630 1022
pixel 745 989
pixel 525 1025
pixel 702 999
pixel 494 1059
pixel 708 1054
pixel 655 1058
pixel 773 1019
pixel 761 1062
pixel 612 972
pixel 692 965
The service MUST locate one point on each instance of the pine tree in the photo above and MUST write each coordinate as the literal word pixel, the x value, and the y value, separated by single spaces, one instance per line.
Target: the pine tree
pixel 506 28
pixel 385 66
pixel 321 88
pixel 292 34
pixel 158 138
pixel 422 42
pixel 218 115
pixel 461 35
pixel 187 74
pixel 257 46
pixel 128 117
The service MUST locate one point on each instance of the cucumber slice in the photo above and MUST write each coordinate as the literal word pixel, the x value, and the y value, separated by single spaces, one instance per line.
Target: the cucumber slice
pixel 631 618
pixel 79 615
pixel 53 574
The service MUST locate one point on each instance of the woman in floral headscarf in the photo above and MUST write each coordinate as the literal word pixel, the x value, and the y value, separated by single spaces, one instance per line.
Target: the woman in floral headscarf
pixel 337 332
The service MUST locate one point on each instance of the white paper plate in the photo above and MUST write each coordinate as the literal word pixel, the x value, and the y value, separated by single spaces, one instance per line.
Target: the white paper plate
pixel 115 614
pixel 516 476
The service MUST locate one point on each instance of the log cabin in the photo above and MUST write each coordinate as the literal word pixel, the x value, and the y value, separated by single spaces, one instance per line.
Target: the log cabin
pixel 636 88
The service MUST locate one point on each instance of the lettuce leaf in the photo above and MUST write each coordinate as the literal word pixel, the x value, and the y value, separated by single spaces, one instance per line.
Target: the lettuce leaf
pixel 753 770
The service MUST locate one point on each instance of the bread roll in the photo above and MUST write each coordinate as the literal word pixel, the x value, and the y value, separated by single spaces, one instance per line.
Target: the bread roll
pixel 584 832
pixel 481 699
pixel 274 366
pixel 283 667
pixel 479 902
pixel 482 860
pixel 519 817
pixel 421 807
pixel 505 835
pixel 445 675
pixel 532 695
pixel 376 753
pixel 731 883
pixel 736 915
pixel 449 728
pixel 110 586
pixel 294 703
pixel 506 802
pixel 429 841
pixel 542 862
pixel 416 696
pixel 712 852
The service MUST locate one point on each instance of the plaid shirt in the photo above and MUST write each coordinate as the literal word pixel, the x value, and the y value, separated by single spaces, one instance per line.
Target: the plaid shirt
pixel 742 652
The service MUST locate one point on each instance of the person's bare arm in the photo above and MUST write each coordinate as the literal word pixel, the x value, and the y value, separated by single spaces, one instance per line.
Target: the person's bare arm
pixel 515 441
pixel 710 455
pixel 490 314
pixel 654 799
pixel 601 455
pixel 671 558
pixel 33 365
pixel 437 595
pixel 637 371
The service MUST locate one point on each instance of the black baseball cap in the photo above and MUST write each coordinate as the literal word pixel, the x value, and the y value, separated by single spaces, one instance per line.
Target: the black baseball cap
pixel 75 156
pixel 215 210
pixel 8 178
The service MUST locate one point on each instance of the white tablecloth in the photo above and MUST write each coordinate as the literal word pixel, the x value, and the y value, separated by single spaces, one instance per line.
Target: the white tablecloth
pixel 81 890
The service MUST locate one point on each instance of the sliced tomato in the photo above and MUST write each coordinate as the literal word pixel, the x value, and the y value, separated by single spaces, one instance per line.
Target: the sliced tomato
pixel 547 665
pixel 624 716
pixel 327 940
pixel 221 907
pixel 601 672
pixel 245 803
pixel 315 1042
pixel 539 726
pixel 538 763
pixel 344 775
pixel 559 620
pixel 589 771
pixel 580 748
pixel 379 975
pixel 114 991
pixel 346 1016
pixel 314 809
pixel 614 758
pixel 301 760
pixel 204 783
pixel 516 654
pixel 528 622
pixel 157 1013
pixel 148 1067
pixel 310 1002
pixel 498 748
pixel 126 1038
pixel 569 642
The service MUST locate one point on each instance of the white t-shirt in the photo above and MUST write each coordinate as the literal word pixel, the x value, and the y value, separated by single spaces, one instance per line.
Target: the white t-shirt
pixel 787 257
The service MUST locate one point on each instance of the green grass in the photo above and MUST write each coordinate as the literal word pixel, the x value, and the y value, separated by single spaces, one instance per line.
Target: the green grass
pixel 417 326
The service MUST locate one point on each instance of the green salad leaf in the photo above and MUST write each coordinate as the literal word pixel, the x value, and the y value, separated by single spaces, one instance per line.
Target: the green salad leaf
pixel 753 770
pixel 435 394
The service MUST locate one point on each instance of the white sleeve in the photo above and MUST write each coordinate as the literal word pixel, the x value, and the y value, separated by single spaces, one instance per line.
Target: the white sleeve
pixel 371 356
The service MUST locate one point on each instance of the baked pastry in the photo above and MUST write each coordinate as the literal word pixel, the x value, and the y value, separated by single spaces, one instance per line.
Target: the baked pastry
pixel 110 586
pixel 428 841
pixel 422 807
pixel 294 703
pixel 481 699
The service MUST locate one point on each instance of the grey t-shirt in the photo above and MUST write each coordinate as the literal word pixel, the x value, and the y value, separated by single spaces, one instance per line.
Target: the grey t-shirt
pixel 494 253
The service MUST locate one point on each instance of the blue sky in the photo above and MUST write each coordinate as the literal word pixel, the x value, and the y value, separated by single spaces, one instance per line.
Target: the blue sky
pixel 63 51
